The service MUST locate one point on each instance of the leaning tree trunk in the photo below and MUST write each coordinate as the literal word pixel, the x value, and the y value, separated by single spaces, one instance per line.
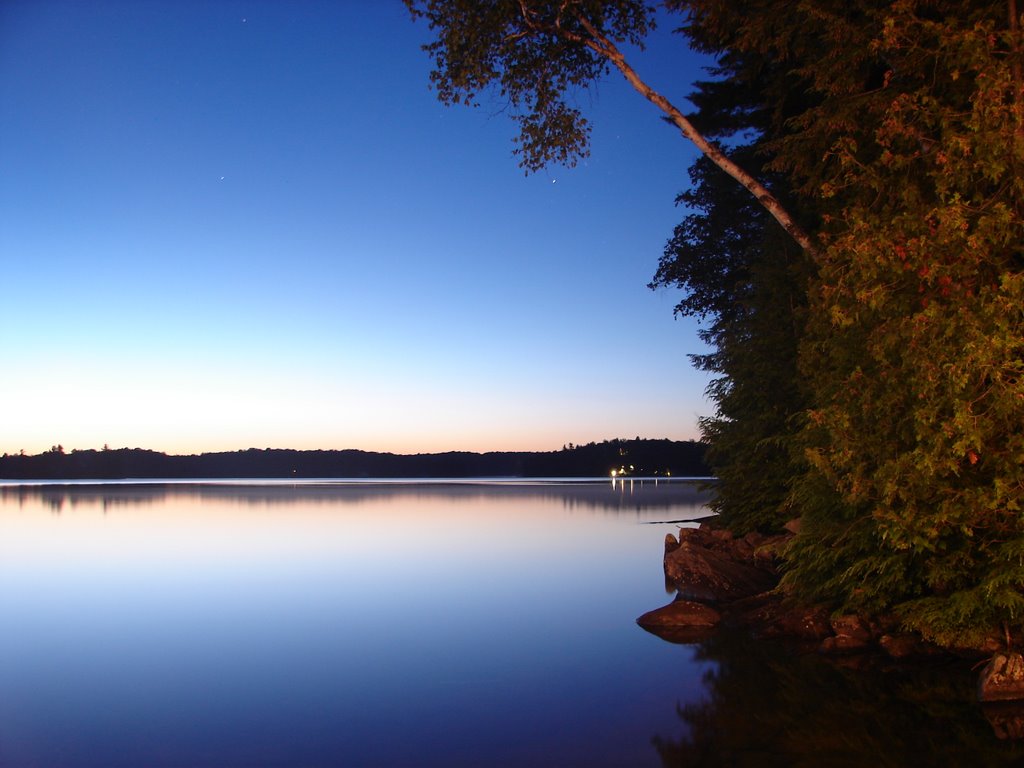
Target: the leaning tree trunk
pixel 601 45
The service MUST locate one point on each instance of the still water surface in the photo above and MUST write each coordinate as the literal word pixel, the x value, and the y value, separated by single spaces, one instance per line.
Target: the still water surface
pixel 403 624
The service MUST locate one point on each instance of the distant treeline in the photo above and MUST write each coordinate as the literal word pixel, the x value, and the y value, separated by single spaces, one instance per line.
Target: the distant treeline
pixel 626 457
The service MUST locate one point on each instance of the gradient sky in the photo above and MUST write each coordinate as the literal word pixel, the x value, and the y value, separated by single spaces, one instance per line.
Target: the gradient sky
pixel 251 224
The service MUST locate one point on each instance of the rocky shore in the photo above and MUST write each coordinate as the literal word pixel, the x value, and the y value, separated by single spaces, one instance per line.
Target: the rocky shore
pixel 725 580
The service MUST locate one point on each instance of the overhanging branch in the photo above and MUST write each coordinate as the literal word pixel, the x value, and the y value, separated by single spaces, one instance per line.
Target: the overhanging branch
pixel 602 46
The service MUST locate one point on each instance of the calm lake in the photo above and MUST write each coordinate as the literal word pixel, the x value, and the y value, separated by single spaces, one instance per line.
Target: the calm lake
pixel 409 624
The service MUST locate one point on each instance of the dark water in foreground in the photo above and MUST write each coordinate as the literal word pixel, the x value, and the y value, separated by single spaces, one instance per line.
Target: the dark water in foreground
pixel 409 625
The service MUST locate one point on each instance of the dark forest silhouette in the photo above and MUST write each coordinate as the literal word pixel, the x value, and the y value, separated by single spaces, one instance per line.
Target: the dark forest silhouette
pixel 657 458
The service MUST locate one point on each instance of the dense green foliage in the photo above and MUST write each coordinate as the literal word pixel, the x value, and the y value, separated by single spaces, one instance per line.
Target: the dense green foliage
pixel 916 340
pixel 872 384
pixel 750 294
pixel 905 144
pixel 747 281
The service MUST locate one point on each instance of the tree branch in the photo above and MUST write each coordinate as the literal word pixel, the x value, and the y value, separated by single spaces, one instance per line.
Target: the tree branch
pixel 602 46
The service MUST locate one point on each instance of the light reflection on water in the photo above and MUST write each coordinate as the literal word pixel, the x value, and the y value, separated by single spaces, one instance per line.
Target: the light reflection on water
pixel 440 624
pixel 614 495
pixel 325 624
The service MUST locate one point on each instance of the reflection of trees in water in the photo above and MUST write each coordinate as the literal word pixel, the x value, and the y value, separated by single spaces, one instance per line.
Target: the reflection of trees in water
pixel 766 707
pixel 59 498
pixel 682 499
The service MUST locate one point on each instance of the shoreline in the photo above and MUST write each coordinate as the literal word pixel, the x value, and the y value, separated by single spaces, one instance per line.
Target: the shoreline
pixel 724 581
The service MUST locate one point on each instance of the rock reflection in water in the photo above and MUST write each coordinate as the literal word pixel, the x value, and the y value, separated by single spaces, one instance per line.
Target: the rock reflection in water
pixel 766 706
pixel 1006 718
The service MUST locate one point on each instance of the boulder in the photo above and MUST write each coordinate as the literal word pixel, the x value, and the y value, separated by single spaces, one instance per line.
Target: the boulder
pixel 755 539
pixel 851 633
pixel 1002 679
pixel 1006 719
pixel 708 564
pixel 681 621
pixel 712 574
pixel 769 549
pixel 741 549
pixel 671 543
pixel 769 615
pixel 909 645
pixel 721 534
pixel 902 645
pixel 884 624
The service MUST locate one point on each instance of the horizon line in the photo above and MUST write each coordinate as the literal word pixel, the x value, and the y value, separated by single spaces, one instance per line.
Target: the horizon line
pixel 59 449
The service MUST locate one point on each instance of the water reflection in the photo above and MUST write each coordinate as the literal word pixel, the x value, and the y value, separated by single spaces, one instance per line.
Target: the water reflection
pixel 487 624
pixel 212 625
pixel 632 495
pixel 767 706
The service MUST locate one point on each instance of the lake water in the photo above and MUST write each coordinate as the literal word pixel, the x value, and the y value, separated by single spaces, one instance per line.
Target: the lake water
pixel 407 624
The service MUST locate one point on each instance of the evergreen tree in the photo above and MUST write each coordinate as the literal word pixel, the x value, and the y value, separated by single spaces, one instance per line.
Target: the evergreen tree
pixel 908 147
pixel 880 364
pixel 747 281
pixel 916 332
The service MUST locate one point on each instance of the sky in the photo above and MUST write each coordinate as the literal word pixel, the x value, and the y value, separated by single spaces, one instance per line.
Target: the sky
pixel 227 225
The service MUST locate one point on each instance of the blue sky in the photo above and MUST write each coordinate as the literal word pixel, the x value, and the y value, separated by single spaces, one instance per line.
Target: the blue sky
pixel 251 224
